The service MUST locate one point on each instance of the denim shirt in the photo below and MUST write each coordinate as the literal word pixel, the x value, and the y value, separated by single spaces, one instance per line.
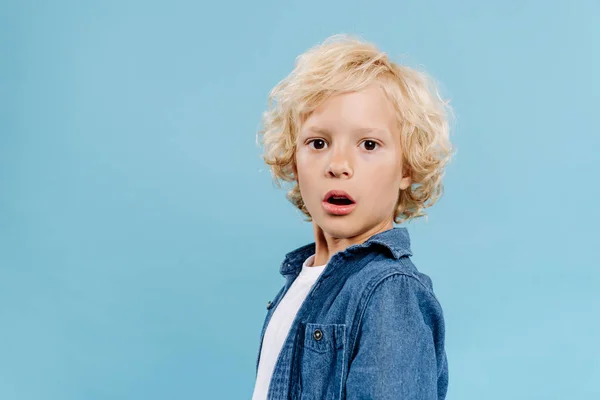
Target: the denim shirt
pixel 370 327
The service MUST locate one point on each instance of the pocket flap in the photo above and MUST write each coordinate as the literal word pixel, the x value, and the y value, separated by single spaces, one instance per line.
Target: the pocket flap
pixel 324 337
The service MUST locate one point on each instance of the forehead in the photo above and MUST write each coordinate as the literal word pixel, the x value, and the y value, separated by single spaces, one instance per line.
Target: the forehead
pixel 361 111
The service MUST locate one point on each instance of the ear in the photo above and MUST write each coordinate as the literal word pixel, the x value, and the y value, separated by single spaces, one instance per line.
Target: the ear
pixel 406 180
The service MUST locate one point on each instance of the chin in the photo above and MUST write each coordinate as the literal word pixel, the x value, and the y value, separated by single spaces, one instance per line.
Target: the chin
pixel 339 227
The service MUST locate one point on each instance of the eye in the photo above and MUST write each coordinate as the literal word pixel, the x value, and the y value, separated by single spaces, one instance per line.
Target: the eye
pixel 370 145
pixel 318 143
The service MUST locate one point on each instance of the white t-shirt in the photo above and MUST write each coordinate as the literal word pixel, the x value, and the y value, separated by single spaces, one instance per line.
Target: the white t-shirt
pixel 280 323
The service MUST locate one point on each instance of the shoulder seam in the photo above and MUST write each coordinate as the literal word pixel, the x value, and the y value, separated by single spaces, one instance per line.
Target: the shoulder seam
pixel 401 273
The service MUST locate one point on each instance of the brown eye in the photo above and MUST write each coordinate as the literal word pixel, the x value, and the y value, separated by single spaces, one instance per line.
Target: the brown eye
pixel 318 143
pixel 370 145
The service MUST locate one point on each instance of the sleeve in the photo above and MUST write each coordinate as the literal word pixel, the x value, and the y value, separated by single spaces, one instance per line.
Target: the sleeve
pixel 399 351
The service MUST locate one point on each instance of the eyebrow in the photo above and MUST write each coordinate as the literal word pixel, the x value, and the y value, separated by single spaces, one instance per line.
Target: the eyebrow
pixel 325 131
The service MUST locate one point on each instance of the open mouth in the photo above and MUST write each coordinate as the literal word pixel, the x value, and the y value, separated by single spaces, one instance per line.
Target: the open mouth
pixel 338 198
pixel 339 201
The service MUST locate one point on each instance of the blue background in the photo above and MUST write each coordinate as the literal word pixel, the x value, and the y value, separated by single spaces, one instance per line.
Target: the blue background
pixel 141 236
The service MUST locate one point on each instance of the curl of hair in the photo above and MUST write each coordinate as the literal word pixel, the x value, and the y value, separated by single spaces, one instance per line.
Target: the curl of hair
pixel 344 63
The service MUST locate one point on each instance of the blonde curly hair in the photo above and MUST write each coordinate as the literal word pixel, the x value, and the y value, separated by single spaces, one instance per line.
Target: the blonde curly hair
pixel 345 63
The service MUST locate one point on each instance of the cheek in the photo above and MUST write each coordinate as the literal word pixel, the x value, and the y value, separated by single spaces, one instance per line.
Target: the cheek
pixel 301 170
pixel 385 184
pixel 304 166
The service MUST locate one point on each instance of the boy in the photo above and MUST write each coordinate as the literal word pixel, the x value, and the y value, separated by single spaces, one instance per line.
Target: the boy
pixel 365 142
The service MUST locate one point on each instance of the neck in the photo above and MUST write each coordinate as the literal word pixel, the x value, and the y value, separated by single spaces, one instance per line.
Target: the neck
pixel 326 245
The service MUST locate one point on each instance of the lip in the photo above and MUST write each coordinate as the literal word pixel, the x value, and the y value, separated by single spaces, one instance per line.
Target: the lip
pixel 338 209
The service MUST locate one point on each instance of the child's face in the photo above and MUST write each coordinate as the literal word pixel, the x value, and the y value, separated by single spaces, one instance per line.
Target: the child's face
pixel 351 142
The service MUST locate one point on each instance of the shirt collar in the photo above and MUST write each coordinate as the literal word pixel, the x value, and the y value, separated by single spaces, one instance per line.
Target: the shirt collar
pixel 396 241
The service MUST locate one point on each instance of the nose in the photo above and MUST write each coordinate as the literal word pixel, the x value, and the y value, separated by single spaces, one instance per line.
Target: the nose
pixel 339 165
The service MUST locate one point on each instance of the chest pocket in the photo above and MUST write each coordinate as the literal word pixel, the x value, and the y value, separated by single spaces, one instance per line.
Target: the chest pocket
pixel 322 361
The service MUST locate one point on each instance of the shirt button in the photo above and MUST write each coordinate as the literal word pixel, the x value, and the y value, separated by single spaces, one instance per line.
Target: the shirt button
pixel 269 305
pixel 318 334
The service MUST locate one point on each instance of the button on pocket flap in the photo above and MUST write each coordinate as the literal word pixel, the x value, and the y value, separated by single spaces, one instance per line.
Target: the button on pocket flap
pixel 324 337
